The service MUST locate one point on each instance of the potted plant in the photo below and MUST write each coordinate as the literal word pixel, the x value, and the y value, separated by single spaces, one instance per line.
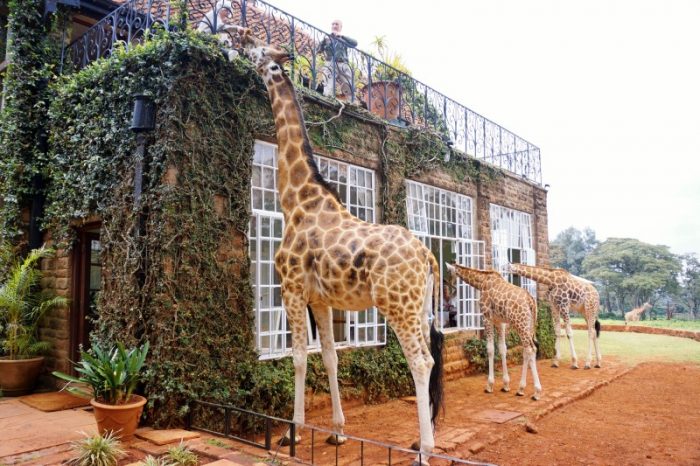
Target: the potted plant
pixel 383 96
pixel 22 305
pixel 112 374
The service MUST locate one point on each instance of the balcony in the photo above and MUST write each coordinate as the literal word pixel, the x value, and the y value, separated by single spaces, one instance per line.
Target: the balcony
pixel 414 103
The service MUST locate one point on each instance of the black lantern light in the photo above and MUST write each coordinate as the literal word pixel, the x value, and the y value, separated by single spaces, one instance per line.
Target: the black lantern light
pixel 144 116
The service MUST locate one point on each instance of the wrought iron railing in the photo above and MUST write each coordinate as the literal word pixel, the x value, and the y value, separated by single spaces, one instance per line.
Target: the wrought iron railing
pixel 238 424
pixel 379 87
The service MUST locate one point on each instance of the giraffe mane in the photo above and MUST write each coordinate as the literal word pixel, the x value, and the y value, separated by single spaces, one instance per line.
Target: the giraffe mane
pixel 308 151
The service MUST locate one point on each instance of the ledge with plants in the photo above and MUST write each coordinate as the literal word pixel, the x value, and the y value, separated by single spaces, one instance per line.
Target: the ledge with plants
pixel 22 306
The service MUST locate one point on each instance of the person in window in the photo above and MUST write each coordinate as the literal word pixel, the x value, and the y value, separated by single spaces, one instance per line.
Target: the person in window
pixel 335 53
pixel 448 301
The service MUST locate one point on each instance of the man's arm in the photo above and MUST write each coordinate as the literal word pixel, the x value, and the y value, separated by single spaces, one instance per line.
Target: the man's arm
pixel 350 41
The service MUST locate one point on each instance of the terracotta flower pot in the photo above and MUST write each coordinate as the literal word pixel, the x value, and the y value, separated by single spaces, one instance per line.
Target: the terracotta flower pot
pixel 18 376
pixel 120 419
pixel 383 101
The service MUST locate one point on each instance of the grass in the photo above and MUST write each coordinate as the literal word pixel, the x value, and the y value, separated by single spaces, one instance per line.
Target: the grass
pixel 675 324
pixel 633 348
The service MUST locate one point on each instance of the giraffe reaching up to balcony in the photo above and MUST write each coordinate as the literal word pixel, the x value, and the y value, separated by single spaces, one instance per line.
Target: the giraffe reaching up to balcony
pixel 330 259
pixel 568 292
pixel 503 303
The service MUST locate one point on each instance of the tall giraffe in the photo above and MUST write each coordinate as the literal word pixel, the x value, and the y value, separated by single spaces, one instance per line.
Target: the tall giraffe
pixel 634 314
pixel 503 303
pixel 330 259
pixel 568 292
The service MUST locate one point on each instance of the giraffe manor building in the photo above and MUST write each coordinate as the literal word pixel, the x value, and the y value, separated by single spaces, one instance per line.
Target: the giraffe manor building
pixel 150 167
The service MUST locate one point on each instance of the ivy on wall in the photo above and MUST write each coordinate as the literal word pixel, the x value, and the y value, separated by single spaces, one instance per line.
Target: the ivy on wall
pixel 34 51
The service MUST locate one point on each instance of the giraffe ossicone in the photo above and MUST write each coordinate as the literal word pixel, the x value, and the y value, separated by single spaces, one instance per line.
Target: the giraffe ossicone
pixel 503 304
pixel 330 259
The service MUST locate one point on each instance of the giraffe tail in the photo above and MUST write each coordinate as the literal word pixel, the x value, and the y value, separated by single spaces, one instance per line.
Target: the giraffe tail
pixel 437 339
pixel 536 344
pixel 597 328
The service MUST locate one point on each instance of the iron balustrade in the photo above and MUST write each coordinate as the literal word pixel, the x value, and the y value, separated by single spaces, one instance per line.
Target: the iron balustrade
pixel 382 89
pixel 341 454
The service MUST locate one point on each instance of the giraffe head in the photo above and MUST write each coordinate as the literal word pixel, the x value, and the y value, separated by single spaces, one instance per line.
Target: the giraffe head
pixel 267 58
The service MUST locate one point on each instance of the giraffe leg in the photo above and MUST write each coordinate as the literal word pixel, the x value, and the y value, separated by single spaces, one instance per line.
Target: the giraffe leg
pixel 504 351
pixel 490 350
pixel 557 341
pixel 535 375
pixel 324 321
pixel 570 337
pixel 295 306
pixel 591 343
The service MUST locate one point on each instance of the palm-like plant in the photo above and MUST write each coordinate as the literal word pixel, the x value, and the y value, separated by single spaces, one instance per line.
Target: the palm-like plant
pixel 23 304
pixel 112 374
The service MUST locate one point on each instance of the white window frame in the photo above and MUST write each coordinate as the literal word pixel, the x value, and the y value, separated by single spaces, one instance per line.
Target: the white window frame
pixel 358 186
pixel 512 230
pixel 442 218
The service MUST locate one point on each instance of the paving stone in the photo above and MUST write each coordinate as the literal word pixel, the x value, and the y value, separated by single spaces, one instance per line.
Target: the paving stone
pixel 476 447
pixel 150 448
pixel 165 437
pixel 226 463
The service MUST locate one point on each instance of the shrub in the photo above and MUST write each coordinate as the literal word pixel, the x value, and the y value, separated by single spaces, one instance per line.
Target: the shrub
pixel 98 450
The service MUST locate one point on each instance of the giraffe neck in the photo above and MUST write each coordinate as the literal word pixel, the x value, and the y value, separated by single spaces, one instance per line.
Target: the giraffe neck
pixel 479 279
pixel 296 166
pixel 538 274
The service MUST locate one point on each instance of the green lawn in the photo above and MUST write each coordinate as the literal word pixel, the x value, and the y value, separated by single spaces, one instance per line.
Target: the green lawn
pixel 633 348
pixel 677 324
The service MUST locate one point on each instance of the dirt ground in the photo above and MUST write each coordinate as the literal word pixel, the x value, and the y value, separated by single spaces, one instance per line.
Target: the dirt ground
pixel 649 414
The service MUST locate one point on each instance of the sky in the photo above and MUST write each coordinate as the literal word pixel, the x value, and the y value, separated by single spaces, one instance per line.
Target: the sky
pixel 609 90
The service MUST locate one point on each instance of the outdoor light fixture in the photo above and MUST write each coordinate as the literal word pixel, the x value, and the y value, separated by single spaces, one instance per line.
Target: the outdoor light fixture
pixel 144 115
pixel 143 120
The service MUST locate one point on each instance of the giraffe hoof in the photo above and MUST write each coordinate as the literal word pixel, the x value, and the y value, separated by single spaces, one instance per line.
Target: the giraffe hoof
pixel 520 393
pixel 574 366
pixel 422 463
pixel 505 389
pixel 415 446
pixel 336 439
pixel 555 365
pixel 535 397
pixel 597 366
pixel 285 441
pixel 587 366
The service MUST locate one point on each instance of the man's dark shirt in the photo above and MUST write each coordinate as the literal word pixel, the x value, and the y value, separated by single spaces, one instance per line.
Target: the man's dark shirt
pixel 339 44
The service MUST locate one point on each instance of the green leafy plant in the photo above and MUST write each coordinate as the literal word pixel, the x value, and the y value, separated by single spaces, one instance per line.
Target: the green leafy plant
pixel 217 443
pixel 380 48
pixel 112 374
pixel 98 450
pixel 183 456
pixel 151 460
pixel 22 305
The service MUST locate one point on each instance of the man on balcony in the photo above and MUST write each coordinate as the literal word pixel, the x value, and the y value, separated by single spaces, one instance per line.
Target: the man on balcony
pixel 336 72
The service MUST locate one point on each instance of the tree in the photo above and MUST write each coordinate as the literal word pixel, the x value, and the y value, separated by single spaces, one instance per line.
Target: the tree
pixel 690 281
pixel 570 248
pixel 633 272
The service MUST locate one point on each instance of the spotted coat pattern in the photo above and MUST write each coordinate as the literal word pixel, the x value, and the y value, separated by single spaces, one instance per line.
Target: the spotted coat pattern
pixel 330 259
pixel 501 304
pixel 567 293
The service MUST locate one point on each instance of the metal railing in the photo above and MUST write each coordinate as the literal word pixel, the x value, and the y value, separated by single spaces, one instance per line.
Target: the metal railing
pixel 363 79
pixel 234 422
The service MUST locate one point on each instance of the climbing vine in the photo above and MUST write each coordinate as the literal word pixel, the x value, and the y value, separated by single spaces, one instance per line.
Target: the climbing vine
pixel 34 51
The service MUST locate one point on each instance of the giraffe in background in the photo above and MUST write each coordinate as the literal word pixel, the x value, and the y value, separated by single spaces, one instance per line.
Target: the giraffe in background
pixel 503 303
pixel 636 313
pixel 330 259
pixel 568 292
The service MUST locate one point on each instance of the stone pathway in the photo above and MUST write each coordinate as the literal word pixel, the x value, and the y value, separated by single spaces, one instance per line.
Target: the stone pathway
pixel 472 420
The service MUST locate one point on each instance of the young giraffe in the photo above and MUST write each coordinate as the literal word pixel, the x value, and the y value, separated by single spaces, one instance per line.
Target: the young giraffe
pixel 568 292
pixel 503 303
pixel 330 259
pixel 634 314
